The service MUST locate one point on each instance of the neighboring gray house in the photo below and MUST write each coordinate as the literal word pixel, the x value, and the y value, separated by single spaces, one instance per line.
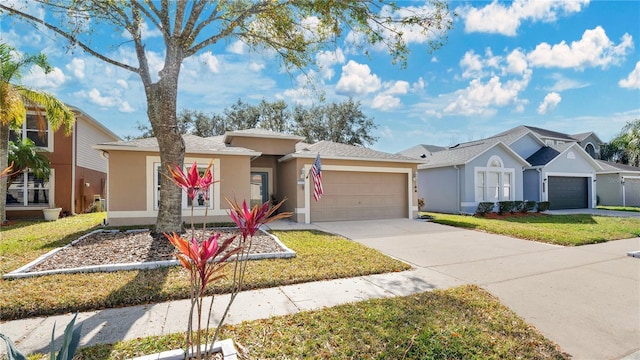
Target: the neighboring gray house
pixel 618 184
pixel 523 163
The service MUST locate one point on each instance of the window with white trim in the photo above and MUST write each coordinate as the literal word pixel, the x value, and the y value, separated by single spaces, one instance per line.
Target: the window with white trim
pixel 28 191
pixel 494 182
pixel 30 130
pixel 200 202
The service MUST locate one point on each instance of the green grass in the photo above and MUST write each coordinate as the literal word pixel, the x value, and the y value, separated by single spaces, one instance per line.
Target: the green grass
pixel 460 323
pixel 320 256
pixel 620 208
pixel 570 230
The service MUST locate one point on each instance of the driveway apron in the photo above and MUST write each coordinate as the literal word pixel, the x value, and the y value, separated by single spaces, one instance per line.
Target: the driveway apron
pixel 586 299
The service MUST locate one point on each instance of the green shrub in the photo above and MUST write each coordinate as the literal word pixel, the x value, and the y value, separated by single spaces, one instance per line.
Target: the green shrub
pixel 543 206
pixel 504 207
pixel 484 208
pixel 518 205
pixel 528 206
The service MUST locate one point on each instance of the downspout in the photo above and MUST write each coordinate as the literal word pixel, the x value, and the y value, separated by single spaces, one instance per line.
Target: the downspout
pixel 624 200
pixel 457 188
pixel 73 169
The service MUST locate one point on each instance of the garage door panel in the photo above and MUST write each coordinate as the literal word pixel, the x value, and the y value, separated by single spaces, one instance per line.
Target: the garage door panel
pixel 632 192
pixel 567 192
pixel 360 196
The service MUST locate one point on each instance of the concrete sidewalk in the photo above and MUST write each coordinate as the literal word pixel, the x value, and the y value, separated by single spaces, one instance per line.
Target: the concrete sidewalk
pixel 112 325
pixel 586 299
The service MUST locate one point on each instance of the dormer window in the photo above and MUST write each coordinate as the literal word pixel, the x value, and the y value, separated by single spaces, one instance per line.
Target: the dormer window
pixel 590 150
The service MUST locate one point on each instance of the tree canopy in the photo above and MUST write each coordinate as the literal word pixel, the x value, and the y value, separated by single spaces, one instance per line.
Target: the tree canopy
pixel 293 30
pixel 625 147
pixel 339 122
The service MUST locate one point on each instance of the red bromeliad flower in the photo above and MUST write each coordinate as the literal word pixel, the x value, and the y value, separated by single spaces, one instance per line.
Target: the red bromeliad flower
pixel 201 258
pixel 249 221
pixel 192 183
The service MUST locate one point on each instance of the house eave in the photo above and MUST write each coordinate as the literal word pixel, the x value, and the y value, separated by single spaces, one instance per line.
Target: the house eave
pixel 350 158
pixel 156 149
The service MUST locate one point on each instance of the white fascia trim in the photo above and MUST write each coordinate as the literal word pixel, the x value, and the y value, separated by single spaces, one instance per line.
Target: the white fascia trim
pixel 191 153
pixel 350 158
pixel 307 183
pixel 631 177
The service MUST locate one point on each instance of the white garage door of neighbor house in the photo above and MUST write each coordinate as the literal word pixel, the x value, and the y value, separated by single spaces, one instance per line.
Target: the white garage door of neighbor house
pixel 361 196
pixel 632 192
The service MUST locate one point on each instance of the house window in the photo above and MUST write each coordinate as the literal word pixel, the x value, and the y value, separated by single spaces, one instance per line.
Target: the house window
pixel 28 191
pixel 494 182
pixel 186 201
pixel 30 130
pixel 590 150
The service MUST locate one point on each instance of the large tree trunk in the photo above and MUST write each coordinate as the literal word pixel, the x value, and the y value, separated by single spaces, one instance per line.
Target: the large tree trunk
pixel 161 102
pixel 4 159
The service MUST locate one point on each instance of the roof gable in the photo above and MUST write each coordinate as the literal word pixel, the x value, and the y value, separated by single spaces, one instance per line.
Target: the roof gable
pixel 463 154
pixel 554 152
pixel 334 150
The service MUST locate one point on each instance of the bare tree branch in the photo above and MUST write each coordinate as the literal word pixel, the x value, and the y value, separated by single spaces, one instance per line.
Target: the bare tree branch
pixel 70 37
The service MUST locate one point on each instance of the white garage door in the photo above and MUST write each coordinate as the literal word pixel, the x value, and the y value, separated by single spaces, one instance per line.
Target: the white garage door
pixel 632 192
pixel 361 196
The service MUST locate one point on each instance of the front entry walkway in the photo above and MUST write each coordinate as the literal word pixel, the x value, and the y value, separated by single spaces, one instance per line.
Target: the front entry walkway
pixel 586 299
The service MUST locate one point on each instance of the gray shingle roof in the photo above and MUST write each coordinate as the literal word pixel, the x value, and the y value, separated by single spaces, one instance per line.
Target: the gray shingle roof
pixel 457 155
pixel 261 133
pixel 543 156
pixel 193 144
pixel 330 149
pixel 613 166
pixel 419 150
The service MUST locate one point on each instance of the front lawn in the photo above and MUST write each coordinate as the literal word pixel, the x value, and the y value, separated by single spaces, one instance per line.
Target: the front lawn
pixel 620 208
pixel 460 323
pixel 554 229
pixel 320 256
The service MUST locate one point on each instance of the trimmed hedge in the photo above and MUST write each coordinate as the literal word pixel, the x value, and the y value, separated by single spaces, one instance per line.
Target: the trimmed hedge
pixel 518 205
pixel 543 206
pixel 484 208
pixel 504 207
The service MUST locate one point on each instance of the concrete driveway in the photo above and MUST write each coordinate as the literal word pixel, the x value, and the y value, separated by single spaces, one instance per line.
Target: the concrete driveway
pixel 586 299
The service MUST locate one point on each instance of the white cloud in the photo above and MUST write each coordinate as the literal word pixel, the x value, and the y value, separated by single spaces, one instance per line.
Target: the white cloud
pixel 549 103
pixel 256 67
pixel 387 99
pixel 473 65
pixel 76 66
pixel 210 61
pixel 418 86
pixel 123 83
pixel 357 79
pixel 594 49
pixel 36 78
pixel 562 83
pixel 500 19
pixel 434 59
pixel 126 108
pixel 98 99
pixel 237 47
pixel 327 59
pixel 481 98
pixel 633 80
pixel 516 62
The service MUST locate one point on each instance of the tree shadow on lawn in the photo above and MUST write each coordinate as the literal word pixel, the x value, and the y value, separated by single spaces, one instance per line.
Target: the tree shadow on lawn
pixel 113 323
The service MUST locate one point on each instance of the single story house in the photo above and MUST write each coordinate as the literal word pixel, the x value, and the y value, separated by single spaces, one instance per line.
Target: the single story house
pixel 258 165
pixel 523 163
pixel 78 172
pixel 618 184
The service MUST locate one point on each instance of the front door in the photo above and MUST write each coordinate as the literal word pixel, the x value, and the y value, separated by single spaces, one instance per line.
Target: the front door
pixel 259 188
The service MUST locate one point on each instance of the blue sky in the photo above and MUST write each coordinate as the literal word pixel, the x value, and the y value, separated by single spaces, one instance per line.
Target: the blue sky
pixel 570 66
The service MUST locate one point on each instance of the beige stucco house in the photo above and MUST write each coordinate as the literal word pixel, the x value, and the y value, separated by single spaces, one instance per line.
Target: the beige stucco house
pixel 260 165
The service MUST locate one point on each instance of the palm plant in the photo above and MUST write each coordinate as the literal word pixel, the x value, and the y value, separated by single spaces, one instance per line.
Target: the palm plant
pixel 23 155
pixel 16 98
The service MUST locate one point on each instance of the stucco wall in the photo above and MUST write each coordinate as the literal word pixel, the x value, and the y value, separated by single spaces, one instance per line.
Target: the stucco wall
pixel 438 189
pixel 526 146
pixel 268 146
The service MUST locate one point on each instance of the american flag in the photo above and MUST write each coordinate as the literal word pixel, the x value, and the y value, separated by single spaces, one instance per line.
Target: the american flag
pixel 316 171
